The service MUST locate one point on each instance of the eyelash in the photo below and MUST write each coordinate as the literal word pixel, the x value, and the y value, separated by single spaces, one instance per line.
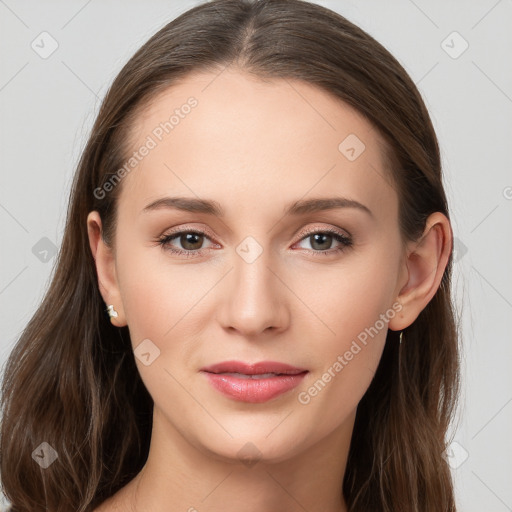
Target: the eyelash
pixel 345 242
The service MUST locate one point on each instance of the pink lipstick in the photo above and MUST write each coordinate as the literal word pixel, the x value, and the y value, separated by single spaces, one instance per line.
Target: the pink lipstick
pixel 253 383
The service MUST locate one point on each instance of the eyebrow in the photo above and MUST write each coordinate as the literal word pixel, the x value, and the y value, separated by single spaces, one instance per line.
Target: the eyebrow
pixel 210 207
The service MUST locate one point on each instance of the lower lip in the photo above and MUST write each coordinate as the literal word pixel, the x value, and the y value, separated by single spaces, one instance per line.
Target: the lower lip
pixel 254 390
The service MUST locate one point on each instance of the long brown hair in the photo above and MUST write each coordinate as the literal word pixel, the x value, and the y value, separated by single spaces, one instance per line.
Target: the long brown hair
pixel 71 380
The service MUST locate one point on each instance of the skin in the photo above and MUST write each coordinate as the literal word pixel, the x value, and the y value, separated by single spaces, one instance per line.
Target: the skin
pixel 256 147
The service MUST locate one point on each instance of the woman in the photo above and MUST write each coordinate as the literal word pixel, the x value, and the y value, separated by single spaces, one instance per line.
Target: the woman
pixel 251 308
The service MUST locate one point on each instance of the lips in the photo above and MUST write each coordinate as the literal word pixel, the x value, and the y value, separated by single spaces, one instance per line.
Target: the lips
pixel 253 369
pixel 254 383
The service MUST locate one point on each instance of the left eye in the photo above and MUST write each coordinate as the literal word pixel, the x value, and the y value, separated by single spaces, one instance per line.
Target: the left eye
pixel 324 239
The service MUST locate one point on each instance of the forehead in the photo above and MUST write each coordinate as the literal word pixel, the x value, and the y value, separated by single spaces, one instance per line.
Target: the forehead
pixel 260 141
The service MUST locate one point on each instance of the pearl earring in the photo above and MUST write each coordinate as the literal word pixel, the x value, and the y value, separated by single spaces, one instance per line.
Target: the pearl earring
pixel 112 313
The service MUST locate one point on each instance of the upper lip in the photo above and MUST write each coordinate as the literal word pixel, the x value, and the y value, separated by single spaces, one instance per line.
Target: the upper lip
pixel 254 368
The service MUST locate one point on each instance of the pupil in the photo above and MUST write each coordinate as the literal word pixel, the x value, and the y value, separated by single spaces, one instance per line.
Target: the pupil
pixel 190 239
pixel 326 237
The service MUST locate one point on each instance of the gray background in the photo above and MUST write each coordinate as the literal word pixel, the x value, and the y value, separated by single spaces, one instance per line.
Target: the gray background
pixel 47 106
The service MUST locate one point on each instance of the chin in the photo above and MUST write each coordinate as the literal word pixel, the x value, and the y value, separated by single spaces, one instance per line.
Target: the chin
pixel 256 446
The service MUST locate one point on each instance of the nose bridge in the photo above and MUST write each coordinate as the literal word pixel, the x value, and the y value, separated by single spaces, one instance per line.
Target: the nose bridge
pixel 254 300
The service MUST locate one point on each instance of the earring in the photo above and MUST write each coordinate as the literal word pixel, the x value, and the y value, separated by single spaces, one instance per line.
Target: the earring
pixel 112 313
pixel 401 332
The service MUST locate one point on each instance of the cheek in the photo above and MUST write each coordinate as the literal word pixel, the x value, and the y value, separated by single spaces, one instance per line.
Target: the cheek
pixel 358 322
pixel 355 304
pixel 159 296
pixel 346 361
pixel 349 297
pixel 160 302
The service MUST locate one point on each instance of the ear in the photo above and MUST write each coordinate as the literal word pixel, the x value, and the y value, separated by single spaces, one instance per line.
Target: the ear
pixel 423 269
pixel 104 258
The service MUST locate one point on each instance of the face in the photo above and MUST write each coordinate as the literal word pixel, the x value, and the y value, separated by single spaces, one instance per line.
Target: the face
pixel 258 280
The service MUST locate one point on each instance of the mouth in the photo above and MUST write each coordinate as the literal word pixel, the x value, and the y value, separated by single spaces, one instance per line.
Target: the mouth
pixel 253 383
pixel 253 369
pixel 253 376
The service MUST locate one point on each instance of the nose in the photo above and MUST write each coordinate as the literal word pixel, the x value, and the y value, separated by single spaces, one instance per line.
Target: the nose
pixel 254 298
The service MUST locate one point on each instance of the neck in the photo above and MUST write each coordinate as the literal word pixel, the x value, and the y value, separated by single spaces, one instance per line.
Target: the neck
pixel 181 476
